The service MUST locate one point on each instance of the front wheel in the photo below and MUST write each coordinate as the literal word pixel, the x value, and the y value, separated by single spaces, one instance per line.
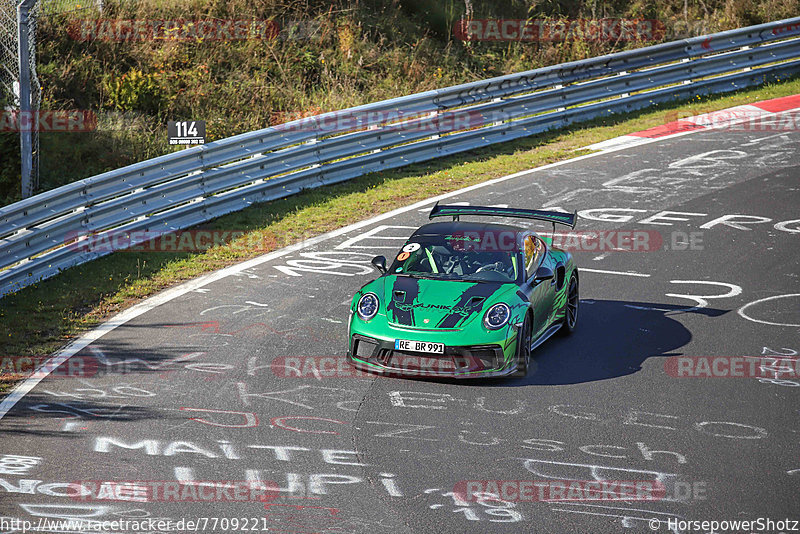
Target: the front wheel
pixel 524 348
pixel 571 308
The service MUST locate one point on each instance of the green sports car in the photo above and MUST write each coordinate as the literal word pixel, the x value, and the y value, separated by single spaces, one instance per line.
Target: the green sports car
pixel 465 299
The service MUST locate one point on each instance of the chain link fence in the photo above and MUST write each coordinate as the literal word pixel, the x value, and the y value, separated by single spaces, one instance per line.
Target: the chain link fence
pixel 18 85
pixel 9 57
pixel 13 84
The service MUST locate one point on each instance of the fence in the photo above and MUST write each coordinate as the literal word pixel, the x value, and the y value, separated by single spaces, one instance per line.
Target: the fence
pixel 19 79
pixel 186 188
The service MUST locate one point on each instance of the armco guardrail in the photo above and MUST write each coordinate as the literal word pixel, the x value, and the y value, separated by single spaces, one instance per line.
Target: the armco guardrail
pixel 188 187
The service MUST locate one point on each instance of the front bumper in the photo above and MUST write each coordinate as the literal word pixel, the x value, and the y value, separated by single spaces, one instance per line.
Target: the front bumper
pixel 376 355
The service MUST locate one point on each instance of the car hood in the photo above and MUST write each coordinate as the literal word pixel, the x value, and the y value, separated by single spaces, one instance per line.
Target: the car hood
pixel 432 304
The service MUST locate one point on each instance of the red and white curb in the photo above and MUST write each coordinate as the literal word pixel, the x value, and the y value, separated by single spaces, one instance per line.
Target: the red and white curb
pixel 767 115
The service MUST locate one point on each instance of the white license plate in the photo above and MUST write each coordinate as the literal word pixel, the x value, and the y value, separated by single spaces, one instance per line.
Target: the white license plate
pixel 418 346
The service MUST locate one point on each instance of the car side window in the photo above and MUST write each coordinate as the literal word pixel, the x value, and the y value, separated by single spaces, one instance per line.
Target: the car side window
pixel 534 253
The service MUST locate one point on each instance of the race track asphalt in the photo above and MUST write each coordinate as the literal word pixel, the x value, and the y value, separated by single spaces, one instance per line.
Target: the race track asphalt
pixel 193 390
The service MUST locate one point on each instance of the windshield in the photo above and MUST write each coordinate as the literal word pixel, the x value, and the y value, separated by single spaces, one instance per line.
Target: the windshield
pixel 451 257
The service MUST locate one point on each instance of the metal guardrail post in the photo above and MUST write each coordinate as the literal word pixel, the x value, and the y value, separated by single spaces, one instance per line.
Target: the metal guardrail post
pixel 26 117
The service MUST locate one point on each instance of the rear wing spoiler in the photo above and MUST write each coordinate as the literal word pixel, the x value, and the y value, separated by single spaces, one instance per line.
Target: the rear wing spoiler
pixel 448 210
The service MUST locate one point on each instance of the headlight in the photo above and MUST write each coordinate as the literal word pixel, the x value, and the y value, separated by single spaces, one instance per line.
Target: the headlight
pixel 367 306
pixel 497 316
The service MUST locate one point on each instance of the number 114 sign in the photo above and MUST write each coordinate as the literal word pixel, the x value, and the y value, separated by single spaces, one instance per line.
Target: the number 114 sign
pixel 186 132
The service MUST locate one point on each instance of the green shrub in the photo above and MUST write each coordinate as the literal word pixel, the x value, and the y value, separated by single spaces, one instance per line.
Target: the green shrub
pixel 134 91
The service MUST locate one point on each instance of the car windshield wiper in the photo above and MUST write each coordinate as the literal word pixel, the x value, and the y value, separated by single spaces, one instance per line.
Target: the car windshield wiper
pixel 479 281
pixel 433 276
pixel 444 276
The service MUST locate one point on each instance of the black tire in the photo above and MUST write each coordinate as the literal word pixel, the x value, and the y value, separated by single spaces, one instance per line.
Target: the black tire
pixel 524 348
pixel 571 308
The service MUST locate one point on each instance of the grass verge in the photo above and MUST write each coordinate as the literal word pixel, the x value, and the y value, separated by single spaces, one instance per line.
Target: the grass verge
pixel 39 319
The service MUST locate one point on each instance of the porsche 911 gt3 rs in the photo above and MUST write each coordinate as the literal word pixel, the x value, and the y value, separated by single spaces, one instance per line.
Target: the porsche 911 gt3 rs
pixel 465 299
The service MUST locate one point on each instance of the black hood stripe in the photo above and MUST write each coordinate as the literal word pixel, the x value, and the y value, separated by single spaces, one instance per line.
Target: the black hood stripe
pixel 465 308
pixel 400 307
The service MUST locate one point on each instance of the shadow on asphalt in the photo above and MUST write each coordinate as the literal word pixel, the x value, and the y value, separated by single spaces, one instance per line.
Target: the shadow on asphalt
pixel 72 392
pixel 42 415
pixel 613 339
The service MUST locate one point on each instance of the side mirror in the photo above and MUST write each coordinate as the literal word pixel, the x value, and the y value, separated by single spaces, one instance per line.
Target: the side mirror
pixel 380 263
pixel 543 273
